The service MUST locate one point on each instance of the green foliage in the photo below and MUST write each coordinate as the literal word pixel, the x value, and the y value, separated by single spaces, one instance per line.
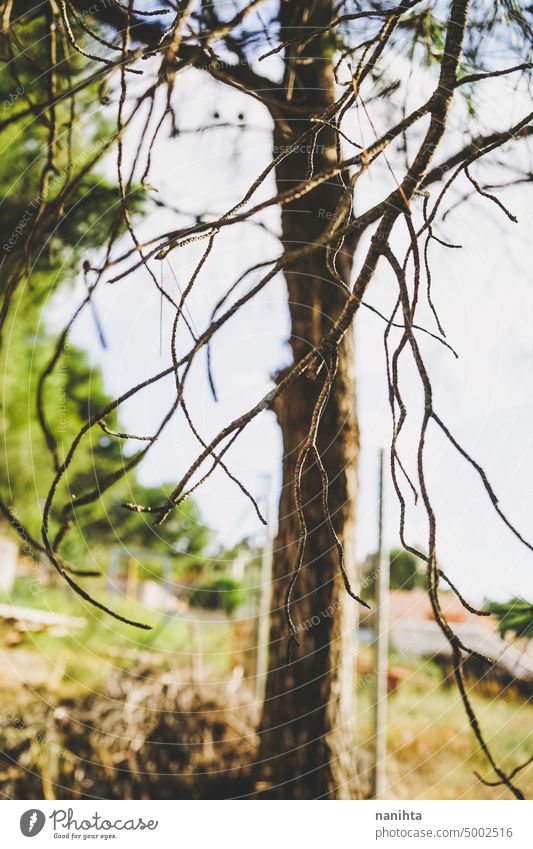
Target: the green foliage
pixel 404 573
pixel 59 220
pixel 427 36
pixel 504 24
pixel 169 638
pixel 183 537
pixel 403 570
pixel 73 393
pixel 219 594
pixel 515 616
pixel 45 234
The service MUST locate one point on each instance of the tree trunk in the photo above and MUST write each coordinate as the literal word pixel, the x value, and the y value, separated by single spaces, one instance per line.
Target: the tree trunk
pixel 307 726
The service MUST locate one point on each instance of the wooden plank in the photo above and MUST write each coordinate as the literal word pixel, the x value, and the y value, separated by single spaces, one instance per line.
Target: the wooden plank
pixel 34 616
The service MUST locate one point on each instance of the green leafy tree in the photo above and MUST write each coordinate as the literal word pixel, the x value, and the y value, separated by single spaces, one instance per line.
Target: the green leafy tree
pixel 218 594
pixel 514 616
pixel 405 573
pixel 404 570
pixel 57 208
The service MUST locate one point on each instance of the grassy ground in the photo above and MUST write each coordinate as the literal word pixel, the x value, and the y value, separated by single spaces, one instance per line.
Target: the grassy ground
pixel 432 750
pixel 83 659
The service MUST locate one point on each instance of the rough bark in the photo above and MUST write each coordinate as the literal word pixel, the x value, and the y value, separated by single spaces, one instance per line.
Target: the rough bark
pixel 307 728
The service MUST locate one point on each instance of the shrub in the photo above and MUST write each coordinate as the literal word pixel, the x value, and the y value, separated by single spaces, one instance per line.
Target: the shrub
pixel 218 594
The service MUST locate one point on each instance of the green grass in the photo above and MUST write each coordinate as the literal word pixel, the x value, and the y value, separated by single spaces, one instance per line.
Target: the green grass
pixel 87 655
pixel 432 752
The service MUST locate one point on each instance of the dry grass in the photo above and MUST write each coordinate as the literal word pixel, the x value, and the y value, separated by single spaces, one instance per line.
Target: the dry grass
pixel 432 751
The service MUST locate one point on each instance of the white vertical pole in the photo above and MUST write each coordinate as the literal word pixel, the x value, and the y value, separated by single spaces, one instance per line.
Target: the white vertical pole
pixel 379 783
pixel 265 592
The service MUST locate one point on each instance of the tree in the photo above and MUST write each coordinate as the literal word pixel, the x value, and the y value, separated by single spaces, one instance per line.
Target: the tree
pixel 515 616
pixel 218 594
pixel 322 62
pixel 404 572
pixel 38 413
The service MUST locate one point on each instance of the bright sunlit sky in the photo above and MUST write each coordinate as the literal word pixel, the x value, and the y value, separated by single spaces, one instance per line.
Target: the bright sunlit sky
pixel 484 295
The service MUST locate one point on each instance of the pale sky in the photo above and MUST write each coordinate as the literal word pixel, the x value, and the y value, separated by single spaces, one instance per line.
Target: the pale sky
pixel 484 295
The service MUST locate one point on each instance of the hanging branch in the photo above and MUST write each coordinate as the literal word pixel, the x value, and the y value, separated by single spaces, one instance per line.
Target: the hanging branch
pixel 156 48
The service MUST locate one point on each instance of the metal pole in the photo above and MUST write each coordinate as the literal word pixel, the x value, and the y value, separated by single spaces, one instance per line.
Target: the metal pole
pixel 379 782
pixel 264 600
